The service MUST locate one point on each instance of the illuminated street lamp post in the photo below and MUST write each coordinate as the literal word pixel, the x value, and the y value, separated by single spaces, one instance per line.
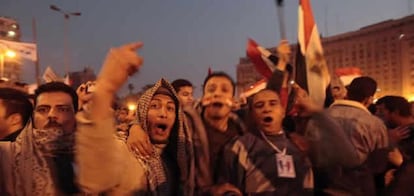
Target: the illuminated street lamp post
pixel 132 110
pixel 3 54
pixel 66 15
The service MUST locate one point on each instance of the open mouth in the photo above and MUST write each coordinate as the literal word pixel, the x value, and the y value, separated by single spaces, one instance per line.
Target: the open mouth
pixel 268 119
pixel 162 127
pixel 217 104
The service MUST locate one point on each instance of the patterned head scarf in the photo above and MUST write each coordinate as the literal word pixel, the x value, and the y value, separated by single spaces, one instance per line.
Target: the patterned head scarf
pixel 156 174
pixel 31 171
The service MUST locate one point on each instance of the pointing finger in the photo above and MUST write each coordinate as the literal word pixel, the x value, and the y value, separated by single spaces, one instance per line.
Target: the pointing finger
pixel 133 46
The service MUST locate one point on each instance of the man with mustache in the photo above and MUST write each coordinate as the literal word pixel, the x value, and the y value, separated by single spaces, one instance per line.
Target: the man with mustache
pixel 55 106
pixel 40 161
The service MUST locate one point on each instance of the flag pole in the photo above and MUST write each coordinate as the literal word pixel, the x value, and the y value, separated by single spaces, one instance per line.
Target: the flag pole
pixel 281 17
pixel 37 66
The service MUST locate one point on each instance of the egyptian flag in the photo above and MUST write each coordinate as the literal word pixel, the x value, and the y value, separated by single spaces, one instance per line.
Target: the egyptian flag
pixel 263 60
pixel 49 75
pixel 256 87
pixel 67 80
pixel 347 74
pixel 311 70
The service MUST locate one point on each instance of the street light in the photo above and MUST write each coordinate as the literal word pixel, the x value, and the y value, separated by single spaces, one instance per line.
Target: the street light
pixel 10 53
pixel 132 110
pixel 5 53
pixel 132 106
pixel 65 47
pixel 11 33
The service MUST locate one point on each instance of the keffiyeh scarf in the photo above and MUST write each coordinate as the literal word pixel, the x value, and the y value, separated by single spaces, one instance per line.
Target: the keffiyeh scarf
pixel 31 151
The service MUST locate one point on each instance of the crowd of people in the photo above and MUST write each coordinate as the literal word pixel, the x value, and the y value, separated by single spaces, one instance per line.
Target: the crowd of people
pixel 65 142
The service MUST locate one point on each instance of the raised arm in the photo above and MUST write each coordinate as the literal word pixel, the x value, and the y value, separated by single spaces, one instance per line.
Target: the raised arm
pixel 102 159
pixel 326 138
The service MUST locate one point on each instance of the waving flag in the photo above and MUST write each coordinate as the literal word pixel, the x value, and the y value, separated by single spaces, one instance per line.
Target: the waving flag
pixel 49 75
pixel 263 60
pixel 210 71
pixel 311 69
pixel 25 50
pixel 347 74
pixel 256 87
pixel 67 80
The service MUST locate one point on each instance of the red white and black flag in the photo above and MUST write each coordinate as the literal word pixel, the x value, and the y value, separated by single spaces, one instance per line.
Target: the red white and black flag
pixel 263 60
pixel 256 87
pixel 311 70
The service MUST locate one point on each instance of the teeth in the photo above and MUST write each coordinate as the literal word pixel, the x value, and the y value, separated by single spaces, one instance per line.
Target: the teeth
pixel 163 127
pixel 205 103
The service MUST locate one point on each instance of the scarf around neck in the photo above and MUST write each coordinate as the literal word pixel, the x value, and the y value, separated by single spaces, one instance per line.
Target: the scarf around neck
pixel 32 171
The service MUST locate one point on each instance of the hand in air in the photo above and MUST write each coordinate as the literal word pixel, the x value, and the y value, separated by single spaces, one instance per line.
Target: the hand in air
pixel 120 63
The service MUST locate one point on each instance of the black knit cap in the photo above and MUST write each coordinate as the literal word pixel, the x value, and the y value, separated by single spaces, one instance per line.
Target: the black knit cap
pixel 361 88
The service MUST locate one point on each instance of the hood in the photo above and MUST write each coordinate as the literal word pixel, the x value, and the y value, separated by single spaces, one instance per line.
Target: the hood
pixel 177 141
pixel 144 102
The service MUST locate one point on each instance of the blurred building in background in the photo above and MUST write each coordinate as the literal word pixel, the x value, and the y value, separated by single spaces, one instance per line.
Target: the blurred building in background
pixel 383 51
pixel 78 77
pixel 11 65
pixel 9 29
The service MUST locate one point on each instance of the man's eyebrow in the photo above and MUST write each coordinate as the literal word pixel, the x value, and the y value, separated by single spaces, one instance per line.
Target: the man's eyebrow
pixel 267 100
pixel 63 105
pixel 59 106
pixel 43 105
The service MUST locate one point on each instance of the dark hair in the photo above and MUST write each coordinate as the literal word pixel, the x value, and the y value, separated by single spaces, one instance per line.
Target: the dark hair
pixel 219 74
pixel 177 84
pixel 396 103
pixel 16 101
pixel 250 120
pixel 57 87
pixel 361 88
pixel 123 109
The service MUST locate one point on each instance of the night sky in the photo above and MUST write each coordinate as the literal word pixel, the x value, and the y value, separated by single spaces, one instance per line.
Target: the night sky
pixel 182 38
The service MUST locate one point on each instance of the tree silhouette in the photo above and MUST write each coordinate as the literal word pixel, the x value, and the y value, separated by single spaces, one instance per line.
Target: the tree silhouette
pixel 130 88
pixel 146 87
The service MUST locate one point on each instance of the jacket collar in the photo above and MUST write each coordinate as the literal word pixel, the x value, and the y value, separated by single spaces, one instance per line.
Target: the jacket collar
pixel 350 103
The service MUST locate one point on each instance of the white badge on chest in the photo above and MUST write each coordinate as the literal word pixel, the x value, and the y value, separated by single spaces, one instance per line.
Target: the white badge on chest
pixel 285 166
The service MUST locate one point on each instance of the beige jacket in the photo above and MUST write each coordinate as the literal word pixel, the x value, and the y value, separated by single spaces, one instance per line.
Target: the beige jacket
pixel 105 163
